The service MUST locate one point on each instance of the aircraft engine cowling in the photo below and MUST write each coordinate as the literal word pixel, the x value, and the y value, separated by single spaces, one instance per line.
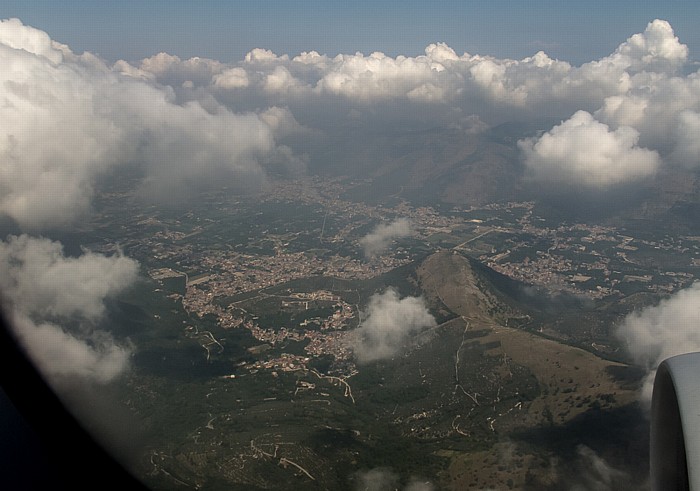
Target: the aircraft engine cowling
pixel 675 425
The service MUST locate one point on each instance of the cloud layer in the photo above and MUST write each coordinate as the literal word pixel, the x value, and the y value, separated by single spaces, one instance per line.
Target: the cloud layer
pixel 46 292
pixel 379 239
pixel 670 328
pixel 67 120
pixel 624 116
pixel 388 325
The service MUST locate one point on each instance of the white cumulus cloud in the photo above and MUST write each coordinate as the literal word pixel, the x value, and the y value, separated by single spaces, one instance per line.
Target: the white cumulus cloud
pixel 380 238
pixel 584 151
pixel 44 291
pixel 672 327
pixel 57 353
pixel 232 78
pixel 389 322
pixel 16 35
pixel 660 107
pixel 657 48
pixel 171 70
pixel 66 121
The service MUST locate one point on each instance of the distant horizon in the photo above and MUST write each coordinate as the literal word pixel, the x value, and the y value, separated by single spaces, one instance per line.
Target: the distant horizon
pixel 226 31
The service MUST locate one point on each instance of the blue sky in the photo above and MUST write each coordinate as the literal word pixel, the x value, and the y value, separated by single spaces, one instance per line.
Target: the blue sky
pixel 226 30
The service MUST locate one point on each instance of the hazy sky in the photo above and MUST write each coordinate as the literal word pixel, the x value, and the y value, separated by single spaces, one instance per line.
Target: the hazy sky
pixel 226 30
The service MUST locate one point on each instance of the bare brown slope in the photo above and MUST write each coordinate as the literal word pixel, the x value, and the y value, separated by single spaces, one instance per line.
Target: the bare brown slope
pixel 456 282
pixel 449 278
pixel 575 385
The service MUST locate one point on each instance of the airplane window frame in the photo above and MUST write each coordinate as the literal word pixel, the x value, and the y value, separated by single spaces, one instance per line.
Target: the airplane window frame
pixel 59 451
